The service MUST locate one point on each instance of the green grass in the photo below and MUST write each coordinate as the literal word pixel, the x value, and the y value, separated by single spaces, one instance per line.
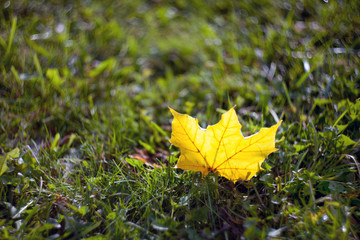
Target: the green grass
pixel 85 85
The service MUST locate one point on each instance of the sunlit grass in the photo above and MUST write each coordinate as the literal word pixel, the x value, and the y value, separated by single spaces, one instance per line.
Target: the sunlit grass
pixel 86 86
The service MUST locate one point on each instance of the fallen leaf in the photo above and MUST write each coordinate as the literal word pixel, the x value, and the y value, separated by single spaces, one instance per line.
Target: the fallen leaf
pixel 221 148
pixel 143 156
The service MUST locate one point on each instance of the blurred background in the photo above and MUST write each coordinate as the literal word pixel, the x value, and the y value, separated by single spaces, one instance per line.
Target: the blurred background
pixel 115 66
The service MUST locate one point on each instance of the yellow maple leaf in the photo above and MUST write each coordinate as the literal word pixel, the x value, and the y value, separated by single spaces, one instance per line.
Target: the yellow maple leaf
pixel 221 148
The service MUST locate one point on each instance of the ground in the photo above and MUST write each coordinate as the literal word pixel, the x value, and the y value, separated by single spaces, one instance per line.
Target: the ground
pixel 85 88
